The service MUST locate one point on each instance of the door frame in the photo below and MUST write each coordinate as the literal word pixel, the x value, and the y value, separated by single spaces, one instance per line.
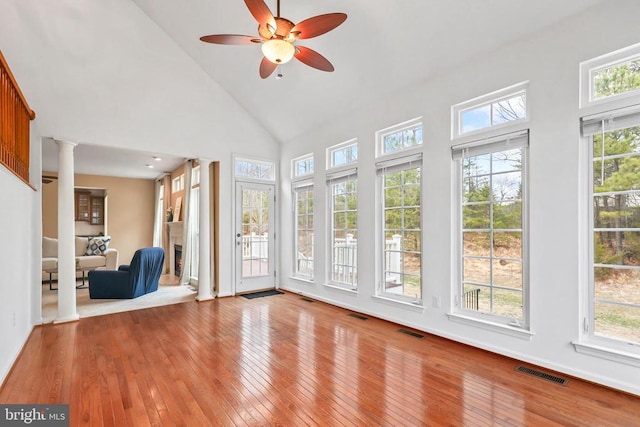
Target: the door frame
pixel 237 212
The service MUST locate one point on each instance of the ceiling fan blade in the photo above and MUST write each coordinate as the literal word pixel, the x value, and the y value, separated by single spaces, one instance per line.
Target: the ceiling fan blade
pixel 261 12
pixel 318 25
pixel 230 39
pixel 313 59
pixel 266 68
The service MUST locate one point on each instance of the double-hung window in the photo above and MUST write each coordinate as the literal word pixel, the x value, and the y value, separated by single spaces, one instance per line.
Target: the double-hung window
pixel 401 183
pixel 492 262
pixel 399 170
pixel 610 88
pixel 342 183
pixel 614 222
pixel 194 217
pixel 303 236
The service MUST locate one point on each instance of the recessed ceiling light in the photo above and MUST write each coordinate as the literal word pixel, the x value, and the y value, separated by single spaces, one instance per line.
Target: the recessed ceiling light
pixel 157 159
pixel 149 166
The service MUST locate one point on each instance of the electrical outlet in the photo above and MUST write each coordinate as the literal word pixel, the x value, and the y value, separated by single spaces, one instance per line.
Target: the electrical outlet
pixel 436 302
pixel 14 320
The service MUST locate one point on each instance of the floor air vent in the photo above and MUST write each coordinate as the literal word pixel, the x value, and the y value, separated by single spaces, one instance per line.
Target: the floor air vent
pixel 408 332
pixel 544 376
pixel 306 299
pixel 358 316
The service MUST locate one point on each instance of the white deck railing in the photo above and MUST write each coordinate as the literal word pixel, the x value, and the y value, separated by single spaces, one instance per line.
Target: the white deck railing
pixel 345 256
pixel 255 246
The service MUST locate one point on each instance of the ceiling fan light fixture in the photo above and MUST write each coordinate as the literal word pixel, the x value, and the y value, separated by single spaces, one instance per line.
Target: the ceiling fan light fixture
pixel 278 34
pixel 278 51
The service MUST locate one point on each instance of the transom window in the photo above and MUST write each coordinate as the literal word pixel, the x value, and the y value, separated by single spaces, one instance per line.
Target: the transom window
pixel 401 185
pixel 177 184
pixel 344 230
pixel 492 110
pixel 342 154
pixel 255 169
pixel 492 229
pixel 400 137
pixel 614 75
pixel 302 165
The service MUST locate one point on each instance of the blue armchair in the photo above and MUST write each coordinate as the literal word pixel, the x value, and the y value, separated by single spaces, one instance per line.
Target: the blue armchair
pixel 129 281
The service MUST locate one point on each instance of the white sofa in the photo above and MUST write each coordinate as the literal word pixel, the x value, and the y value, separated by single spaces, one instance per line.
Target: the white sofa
pixel 92 253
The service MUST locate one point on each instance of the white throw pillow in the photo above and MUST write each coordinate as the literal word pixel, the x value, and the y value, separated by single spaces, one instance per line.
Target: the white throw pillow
pixel 98 245
pixel 49 247
pixel 81 245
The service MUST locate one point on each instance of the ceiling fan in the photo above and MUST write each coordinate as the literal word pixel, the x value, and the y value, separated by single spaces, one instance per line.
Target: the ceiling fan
pixel 278 35
pixel 48 179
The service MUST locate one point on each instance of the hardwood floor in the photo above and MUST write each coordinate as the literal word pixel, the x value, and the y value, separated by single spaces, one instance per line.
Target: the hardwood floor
pixel 281 360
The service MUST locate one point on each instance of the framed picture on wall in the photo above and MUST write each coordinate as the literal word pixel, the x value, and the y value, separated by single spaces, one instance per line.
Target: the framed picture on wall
pixel 176 211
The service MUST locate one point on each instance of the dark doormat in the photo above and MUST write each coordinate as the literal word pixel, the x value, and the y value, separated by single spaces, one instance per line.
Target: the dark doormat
pixel 262 294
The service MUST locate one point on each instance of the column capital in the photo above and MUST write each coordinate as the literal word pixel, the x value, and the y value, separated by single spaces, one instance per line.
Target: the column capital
pixel 204 161
pixel 62 142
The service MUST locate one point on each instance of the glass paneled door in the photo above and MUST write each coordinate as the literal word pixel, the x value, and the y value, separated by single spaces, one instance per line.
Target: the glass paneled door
pixel 254 234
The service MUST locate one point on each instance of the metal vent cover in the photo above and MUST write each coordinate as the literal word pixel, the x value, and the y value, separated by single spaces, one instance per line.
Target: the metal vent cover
pixel 549 377
pixel 358 316
pixel 307 299
pixel 411 333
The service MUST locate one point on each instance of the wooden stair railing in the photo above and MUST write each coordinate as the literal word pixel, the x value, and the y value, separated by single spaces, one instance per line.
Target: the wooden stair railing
pixel 15 116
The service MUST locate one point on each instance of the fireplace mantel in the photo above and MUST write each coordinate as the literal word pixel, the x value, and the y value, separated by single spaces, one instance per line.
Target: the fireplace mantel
pixel 176 231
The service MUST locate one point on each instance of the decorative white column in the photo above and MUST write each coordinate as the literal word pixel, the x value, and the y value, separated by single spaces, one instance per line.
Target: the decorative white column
pixel 66 235
pixel 204 256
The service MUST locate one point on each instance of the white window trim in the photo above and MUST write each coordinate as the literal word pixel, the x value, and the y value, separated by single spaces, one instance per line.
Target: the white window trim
pixel 460 314
pixel 302 183
pixel 397 303
pixel 380 134
pixel 489 325
pixel 344 174
pixel 238 158
pixel 600 351
pixel 488 99
pixel 616 350
pixel 338 147
pixel 341 288
pixel 392 162
pixel 296 160
pixel 302 279
pixel 590 67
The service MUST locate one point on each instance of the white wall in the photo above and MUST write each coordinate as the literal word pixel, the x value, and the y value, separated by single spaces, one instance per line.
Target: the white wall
pixel 20 244
pixel 549 61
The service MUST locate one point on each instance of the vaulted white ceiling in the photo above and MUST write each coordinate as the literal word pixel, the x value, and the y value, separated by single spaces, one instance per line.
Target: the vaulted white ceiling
pixel 383 46
pixel 133 73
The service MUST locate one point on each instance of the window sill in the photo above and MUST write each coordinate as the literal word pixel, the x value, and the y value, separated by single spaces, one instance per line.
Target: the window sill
pixel 302 280
pixel 491 326
pixel 607 353
pixel 408 305
pixel 353 291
